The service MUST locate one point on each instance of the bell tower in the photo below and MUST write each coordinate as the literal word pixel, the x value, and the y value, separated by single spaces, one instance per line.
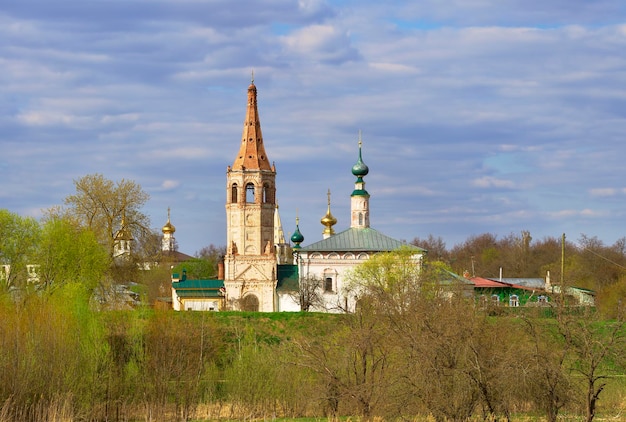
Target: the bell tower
pixel 250 261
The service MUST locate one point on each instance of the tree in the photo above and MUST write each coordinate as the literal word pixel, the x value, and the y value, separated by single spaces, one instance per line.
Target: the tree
pixel 212 253
pixel 18 239
pixel 546 381
pixel 309 294
pixel 197 269
pixel 593 345
pixel 104 206
pixel 435 246
pixel 66 253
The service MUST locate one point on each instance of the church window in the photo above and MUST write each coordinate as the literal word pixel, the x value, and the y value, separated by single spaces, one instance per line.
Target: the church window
pixel 267 194
pixel 360 219
pixel 328 284
pixel 250 193
pixel 233 193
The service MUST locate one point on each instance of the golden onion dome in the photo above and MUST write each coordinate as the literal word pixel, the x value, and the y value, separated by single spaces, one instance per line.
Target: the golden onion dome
pixel 328 220
pixel 168 227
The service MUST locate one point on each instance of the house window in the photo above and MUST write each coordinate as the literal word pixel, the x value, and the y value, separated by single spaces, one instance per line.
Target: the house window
pixel 514 301
pixel 495 299
pixel 250 193
pixel 542 299
pixel 328 284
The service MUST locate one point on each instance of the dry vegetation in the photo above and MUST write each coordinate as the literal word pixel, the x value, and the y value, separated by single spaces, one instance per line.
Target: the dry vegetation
pixel 421 355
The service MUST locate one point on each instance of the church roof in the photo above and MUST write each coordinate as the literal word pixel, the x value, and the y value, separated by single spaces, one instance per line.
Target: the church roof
pixel 357 239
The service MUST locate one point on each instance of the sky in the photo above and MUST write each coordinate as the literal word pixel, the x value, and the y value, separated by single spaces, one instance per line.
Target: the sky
pixel 476 116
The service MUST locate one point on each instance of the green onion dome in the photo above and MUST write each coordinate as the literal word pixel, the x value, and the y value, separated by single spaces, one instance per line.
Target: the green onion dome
pixel 360 169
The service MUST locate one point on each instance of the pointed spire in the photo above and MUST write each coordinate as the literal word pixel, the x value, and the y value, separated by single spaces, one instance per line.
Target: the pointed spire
pixel 279 235
pixel 328 221
pixel 252 154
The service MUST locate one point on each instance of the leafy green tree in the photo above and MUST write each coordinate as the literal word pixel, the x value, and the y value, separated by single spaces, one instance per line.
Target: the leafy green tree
pixel 197 269
pixel 67 253
pixel 18 240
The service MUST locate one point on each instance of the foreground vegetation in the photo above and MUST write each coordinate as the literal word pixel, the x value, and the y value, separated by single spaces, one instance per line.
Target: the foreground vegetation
pixel 398 357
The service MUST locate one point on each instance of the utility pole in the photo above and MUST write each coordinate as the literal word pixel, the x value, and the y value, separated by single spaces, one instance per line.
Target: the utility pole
pixel 562 259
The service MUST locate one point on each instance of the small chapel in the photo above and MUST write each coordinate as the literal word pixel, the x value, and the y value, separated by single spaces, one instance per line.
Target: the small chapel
pixel 263 271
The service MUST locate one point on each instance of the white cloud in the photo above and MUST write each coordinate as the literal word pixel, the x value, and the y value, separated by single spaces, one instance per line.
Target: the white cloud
pixel 493 182
pixel 603 191
pixel 169 185
pixel 325 43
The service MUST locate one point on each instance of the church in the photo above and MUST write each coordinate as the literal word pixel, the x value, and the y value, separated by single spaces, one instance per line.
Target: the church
pixel 261 270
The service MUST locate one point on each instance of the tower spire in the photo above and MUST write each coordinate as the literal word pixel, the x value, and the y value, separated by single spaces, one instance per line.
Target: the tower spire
pixel 252 154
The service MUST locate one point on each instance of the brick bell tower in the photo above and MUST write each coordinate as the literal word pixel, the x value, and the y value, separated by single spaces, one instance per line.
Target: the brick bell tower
pixel 250 261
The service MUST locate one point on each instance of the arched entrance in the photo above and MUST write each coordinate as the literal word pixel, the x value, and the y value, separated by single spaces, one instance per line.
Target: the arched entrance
pixel 250 303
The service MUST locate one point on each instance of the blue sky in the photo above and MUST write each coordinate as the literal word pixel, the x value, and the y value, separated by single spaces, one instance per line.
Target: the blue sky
pixel 476 116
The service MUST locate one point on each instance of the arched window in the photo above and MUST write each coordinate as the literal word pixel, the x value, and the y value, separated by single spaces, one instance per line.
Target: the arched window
pixel 514 301
pixel 266 193
pixel 233 193
pixel 250 193
pixel 360 219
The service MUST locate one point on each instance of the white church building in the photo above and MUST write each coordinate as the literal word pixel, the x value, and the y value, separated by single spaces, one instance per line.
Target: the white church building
pixel 261 271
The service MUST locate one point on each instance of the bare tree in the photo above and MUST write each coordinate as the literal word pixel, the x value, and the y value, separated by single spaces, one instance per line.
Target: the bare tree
pixel 105 206
pixel 545 378
pixel 593 344
pixel 309 294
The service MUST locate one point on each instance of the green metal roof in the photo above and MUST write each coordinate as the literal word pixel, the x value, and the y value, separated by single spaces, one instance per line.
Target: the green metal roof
pixel 287 278
pixel 198 288
pixel 358 239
